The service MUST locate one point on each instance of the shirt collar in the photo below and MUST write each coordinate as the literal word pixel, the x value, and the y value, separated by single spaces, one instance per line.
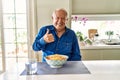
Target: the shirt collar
pixel 53 28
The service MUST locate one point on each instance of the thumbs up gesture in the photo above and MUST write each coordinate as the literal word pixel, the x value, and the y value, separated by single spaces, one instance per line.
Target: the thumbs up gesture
pixel 48 37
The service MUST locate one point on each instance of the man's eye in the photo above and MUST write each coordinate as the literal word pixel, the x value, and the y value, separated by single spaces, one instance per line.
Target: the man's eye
pixel 57 18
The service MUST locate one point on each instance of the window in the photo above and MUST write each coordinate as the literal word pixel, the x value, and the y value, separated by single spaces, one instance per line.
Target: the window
pixel 103 23
pixel 14 31
pixel 1 67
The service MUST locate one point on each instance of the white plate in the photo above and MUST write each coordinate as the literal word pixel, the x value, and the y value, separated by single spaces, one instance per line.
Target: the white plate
pixel 112 42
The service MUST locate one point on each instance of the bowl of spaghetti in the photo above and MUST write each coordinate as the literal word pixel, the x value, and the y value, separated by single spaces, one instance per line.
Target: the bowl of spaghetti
pixel 56 60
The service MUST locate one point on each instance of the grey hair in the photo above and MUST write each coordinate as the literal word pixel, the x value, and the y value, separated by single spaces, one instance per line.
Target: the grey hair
pixel 61 9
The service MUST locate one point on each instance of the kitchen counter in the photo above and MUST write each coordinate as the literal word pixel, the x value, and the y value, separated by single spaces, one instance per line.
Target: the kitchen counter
pixel 103 44
pixel 100 46
pixel 100 52
pixel 100 70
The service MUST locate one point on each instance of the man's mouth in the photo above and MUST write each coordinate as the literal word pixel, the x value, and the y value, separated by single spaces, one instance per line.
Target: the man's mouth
pixel 59 24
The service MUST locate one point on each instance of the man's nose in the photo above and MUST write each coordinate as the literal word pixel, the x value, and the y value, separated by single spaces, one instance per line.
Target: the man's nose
pixel 61 19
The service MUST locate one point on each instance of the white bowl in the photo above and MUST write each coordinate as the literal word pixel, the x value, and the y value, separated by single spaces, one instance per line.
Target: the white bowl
pixel 54 63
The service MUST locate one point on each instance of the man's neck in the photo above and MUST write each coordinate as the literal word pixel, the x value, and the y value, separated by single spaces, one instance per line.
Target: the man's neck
pixel 60 32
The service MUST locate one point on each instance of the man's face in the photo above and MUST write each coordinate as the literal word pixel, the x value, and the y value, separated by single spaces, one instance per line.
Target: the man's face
pixel 59 20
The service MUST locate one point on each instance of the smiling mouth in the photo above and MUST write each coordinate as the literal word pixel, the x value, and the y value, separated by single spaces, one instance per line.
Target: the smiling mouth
pixel 59 24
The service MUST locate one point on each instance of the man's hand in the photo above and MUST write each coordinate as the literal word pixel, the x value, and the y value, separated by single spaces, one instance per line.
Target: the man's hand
pixel 48 37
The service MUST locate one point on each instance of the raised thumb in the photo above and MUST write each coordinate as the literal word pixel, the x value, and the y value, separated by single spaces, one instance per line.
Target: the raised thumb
pixel 47 31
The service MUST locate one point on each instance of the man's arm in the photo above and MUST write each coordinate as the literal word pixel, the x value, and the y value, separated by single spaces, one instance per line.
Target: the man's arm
pixel 39 42
pixel 76 55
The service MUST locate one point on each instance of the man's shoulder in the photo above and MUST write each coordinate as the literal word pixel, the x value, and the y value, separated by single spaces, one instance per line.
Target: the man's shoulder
pixel 70 30
pixel 46 27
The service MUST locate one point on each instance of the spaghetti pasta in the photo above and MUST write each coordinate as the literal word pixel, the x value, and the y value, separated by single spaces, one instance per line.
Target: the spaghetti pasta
pixel 56 57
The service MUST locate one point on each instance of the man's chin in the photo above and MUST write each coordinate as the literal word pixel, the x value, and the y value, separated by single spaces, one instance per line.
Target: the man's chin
pixel 60 29
pixel 60 26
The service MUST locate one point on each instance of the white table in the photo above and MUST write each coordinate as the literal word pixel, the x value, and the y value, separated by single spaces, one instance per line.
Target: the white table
pixel 100 70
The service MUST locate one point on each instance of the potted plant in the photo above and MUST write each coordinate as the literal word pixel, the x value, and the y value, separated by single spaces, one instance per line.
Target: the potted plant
pixel 109 34
pixel 80 36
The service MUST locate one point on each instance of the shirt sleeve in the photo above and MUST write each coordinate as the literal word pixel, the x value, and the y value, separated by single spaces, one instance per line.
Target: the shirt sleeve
pixel 76 55
pixel 39 42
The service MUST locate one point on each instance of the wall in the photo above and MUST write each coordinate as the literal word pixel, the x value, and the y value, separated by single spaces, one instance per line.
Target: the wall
pixel 95 6
pixel 45 9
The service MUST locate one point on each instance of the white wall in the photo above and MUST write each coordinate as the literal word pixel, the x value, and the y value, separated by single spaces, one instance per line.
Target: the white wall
pixel 45 9
pixel 95 6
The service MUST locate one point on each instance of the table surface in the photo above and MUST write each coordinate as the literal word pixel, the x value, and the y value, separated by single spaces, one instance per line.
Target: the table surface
pixel 100 70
